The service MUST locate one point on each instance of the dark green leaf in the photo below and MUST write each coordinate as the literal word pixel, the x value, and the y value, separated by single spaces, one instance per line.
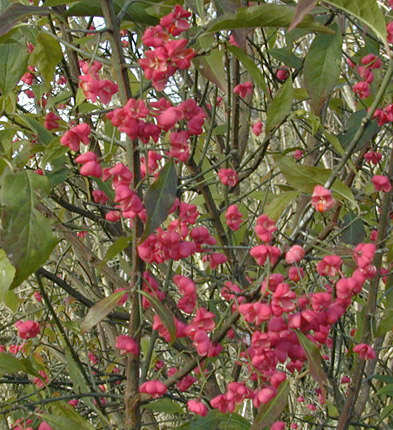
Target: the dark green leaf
pixel 16 12
pixel 280 106
pixel 322 67
pixel 314 360
pixel 265 15
pixel 100 310
pixel 13 64
pixel 46 55
pixel 353 229
pixel 286 56
pixel 251 67
pixel 57 176
pixel 268 413
pixel 353 124
pixel 160 197
pixel 387 389
pixel 7 273
pixel 165 405
pixel 366 11
pixel 44 136
pixel 136 11
pixel 26 235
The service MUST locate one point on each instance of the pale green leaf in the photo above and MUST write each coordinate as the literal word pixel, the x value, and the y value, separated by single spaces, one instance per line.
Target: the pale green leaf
pixel 366 11
pixel 100 310
pixel 265 15
pixel 280 106
pixel 46 55
pixel 26 235
pixel 7 273
pixel 13 63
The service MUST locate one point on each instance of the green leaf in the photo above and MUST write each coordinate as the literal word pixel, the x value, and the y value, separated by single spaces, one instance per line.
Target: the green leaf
pixel 304 178
pixel 46 55
pixel 26 235
pixel 286 56
pixel 58 2
pixel 136 11
pixel 386 323
pixel 387 389
pixel 67 422
pixel 160 197
pixel 314 360
pixel 118 246
pixel 366 11
pixel 268 413
pixel 217 420
pixel 16 12
pixel 164 313
pixel 265 15
pixel 57 176
pixel 352 126
pixel 353 231
pixel 13 64
pixel 44 136
pixel 7 273
pixel 100 310
pixel 279 203
pixel 251 67
pixel 322 67
pixel 211 66
pixel 12 301
pixel 280 106
pixel 10 364
pixel 164 405
pixel 75 374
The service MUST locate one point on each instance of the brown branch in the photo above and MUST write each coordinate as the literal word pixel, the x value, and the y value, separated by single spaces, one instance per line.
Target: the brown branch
pixel 132 409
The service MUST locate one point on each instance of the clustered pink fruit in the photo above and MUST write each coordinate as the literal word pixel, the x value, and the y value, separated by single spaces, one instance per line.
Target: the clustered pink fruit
pixel 93 87
pixel 365 71
pixel 168 55
pixel 27 329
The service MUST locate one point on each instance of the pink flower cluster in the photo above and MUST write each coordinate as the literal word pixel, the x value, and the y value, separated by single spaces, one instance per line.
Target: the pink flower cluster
pixel 27 329
pixel 129 205
pixel 126 345
pixel 381 183
pixel 365 71
pixel 93 87
pixel 75 135
pixel 172 244
pixel 228 177
pixel 188 290
pixel 138 120
pixel 90 164
pixel 168 55
pixel 233 217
